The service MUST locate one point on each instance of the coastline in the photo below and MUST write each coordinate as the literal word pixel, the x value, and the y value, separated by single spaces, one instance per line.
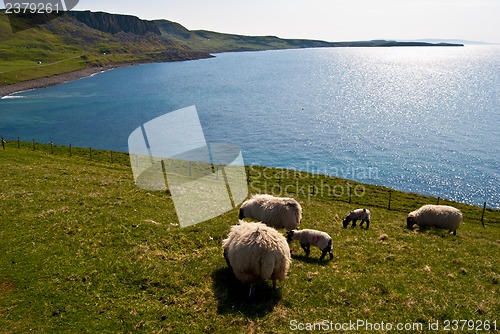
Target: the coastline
pixel 83 73
pixel 53 80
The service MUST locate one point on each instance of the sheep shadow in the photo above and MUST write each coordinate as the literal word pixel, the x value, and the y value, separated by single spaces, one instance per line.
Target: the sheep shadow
pixel 232 295
pixel 427 230
pixel 312 259
pixel 298 254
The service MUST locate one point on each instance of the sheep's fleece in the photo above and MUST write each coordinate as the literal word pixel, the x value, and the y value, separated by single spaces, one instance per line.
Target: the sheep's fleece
pixel 308 237
pixel 256 251
pixel 355 215
pixel 439 216
pixel 277 212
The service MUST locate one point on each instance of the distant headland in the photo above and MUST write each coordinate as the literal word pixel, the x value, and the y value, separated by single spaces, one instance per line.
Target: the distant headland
pixel 41 50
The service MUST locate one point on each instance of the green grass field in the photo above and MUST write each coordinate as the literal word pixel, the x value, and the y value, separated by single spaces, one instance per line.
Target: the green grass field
pixel 82 249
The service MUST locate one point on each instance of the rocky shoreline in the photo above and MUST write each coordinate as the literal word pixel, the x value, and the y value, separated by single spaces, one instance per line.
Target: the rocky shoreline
pixel 51 81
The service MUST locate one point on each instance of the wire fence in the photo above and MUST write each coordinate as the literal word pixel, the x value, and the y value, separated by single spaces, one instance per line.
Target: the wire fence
pixel 292 183
pixel 69 150
pixel 287 183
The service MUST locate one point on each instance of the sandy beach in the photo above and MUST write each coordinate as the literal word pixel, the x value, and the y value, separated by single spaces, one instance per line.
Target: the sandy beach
pixel 51 81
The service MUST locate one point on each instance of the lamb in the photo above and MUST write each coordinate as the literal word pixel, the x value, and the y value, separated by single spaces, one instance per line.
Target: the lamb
pixel 438 216
pixel 308 238
pixel 277 212
pixel 255 252
pixel 355 215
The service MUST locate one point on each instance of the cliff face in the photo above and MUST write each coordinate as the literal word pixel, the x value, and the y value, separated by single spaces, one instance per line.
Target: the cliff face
pixel 174 29
pixel 114 23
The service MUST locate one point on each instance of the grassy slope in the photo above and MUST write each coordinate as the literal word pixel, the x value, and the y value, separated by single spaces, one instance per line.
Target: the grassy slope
pixel 210 41
pixel 64 45
pixel 20 52
pixel 83 249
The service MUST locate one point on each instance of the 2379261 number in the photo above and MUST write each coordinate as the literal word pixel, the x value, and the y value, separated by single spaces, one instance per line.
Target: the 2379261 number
pixel 31 7
pixel 469 325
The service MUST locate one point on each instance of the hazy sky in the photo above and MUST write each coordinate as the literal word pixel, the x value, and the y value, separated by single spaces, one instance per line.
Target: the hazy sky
pixel 331 20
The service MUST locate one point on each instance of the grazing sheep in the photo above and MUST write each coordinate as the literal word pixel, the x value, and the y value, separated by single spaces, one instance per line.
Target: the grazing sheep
pixel 308 238
pixel 277 212
pixel 438 216
pixel 355 215
pixel 255 252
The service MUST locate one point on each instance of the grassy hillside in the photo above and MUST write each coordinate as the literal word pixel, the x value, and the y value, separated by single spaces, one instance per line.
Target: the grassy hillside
pixel 21 52
pixel 77 40
pixel 82 249
pixel 210 41
pixel 65 45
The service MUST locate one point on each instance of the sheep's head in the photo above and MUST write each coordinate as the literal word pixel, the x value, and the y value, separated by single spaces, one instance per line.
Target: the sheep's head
pixel 242 214
pixel 410 221
pixel 289 236
pixel 346 221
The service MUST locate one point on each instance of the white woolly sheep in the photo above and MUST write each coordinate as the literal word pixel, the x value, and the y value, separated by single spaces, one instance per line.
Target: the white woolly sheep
pixel 355 215
pixel 438 216
pixel 255 251
pixel 277 212
pixel 308 238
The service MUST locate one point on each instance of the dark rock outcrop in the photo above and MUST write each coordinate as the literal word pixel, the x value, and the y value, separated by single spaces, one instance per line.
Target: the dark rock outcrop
pixel 115 23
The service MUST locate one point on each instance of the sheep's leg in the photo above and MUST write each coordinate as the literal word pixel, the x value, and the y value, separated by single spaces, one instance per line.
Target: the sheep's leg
pixel 323 254
pixel 274 284
pixel 354 223
pixel 455 232
pixel 306 248
pixel 367 224
pixel 328 250
pixel 252 291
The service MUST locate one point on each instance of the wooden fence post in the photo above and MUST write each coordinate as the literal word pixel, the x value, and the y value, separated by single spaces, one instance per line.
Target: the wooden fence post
pixel 18 143
pixel 3 142
pixel 112 160
pixel 91 153
pixel 70 151
pixel 482 217
pixel 164 172
pixel 390 198
pixel 438 201
pixel 34 146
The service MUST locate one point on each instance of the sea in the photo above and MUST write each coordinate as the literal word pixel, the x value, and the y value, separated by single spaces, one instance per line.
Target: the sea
pixel 417 119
